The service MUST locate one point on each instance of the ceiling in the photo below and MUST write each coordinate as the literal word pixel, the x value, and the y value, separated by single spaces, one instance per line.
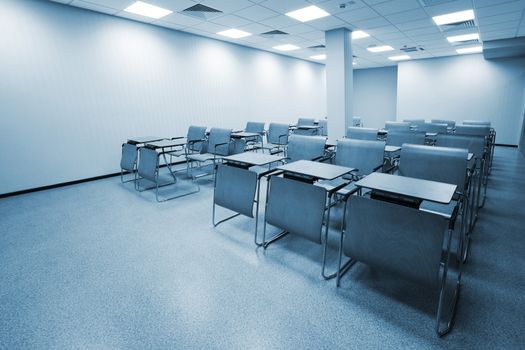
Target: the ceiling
pixel 397 23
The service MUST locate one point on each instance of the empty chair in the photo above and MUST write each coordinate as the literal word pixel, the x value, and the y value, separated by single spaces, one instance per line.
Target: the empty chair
pixel 402 241
pixel 415 122
pixel 397 126
pixel 323 127
pixel 450 123
pixel 256 127
pixel 481 129
pixel 217 146
pixel 363 155
pixel 361 133
pixel 128 161
pixel 433 128
pixel 195 138
pixel 475 130
pixel 356 121
pixel 277 137
pixel 476 122
pixel 302 147
pixel 398 138
pixel 305 122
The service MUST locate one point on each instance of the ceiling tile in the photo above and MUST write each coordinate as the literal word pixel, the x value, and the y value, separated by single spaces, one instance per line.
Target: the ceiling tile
pixel 255 28
pixel 484 3
pixel 333 6
pixel 500 26
pixel 168 25
pixel 313 35
pixel 180 19
pixel 173 5
pixel 256 13
pixel 227 6
pixel 62 1
pixel 499 34
pixel 279 21
pixel 420 23
pixel 297 29
pixel 407 16
pixel 210 27
pixel 506 17
pixel 448 7
pixel 515 6
pixel 116 4
pixel 327 23
pixel 371 23
pixel 283 6
pixel 231 21
pixel 134 17
pixel 390 7
pixel 358 15
pixel 94 7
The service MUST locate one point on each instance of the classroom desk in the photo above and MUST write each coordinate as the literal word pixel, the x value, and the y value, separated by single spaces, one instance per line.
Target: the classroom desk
pixel 244 135
pixel 407 190
pixel 315 170
pixel 163 145
pixel 145 139
pixel 249 159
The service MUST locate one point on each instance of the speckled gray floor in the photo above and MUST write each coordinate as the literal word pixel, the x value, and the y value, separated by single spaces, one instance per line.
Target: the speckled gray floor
pixel 99 266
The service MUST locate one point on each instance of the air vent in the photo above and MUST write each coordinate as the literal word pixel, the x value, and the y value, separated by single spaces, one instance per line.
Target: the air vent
pixel 466 42
pixel 275 32
pixel 426 3
pixel 317 47
pixel 458 26
pixel 412 48
pixel 202 12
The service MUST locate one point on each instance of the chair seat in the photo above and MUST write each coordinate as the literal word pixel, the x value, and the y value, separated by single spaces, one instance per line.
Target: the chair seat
pixel 331 184
pixel 445 210
pixel 177 153
pixel 202 157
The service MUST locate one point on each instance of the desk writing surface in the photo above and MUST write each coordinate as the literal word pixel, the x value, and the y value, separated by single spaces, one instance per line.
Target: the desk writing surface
pixel 331 142
pixel 410 187
pixel 144 139
pixel 390 149
pixel 243 134
pixel 166 143
pixel 316 170
pixel 253 158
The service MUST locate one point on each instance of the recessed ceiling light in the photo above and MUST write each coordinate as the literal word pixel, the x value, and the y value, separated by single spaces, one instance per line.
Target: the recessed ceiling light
pixel 234 33
pixel 382 48
pixel 319 57
pixel 308 13
pixel 399 58
pixel 354 63
pixel 286 47
pixel 474 49
pixel 148 10
pixel 359 34
pixel 454 17
pixel 464 37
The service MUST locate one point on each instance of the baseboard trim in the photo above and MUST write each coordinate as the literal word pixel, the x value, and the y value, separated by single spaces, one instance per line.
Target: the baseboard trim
pixel 68 183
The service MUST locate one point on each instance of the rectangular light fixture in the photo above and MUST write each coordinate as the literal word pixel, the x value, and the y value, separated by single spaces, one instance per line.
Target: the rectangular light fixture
pixel 399 58
pixel 234 33
pixel 286 47
pixel 359 34
pixel 382 48
pixel 464 37
pixel 319 57
pixel 308 13
pixel 473 49
pixel 147 10
pixel 455 17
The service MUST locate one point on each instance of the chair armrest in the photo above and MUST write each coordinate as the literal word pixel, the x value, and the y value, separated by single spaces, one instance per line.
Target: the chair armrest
pixel 279 138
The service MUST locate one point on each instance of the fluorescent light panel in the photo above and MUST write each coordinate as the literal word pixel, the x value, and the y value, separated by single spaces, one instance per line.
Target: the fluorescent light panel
pixel 359 34
pixel 147 10
pixel 286 47
pixel 234 33
pixel 382 48
pixel 454 17
pixel 473 49
pixel 399 58
pixel 319 57
pixel 308 13
pixel 464 37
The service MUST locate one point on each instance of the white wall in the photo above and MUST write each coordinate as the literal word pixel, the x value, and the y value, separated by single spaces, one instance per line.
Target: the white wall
pixel 375 94
pixel 75 84
pixel 464 87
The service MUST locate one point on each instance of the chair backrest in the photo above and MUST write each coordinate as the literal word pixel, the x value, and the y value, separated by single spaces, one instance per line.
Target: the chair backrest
pixel 476 122
pixel 296 207
pixel 237 146
pixel 148 163
pixel 450 123
pixel 442 164
pixel 398 138
pixel 219 136
pixel 395 238
pixel 363 155
pixel 356 121
pixel 196 133
pixel 323 127
pixel 431 127
pixel 278 133
pixel 128 160
pixel 391 125
pixel 474 144
pixel 235 189
pixel 415 122
pixel 473 130
pixel 305 121
pixel 257 127
pixel 361 133
pixel 302 147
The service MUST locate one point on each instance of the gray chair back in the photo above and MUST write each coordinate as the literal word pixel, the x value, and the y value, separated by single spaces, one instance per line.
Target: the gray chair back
pixel 474 130
pixel 398 138
pixel 399 126
pixel 195 133
pixel 148 164
pixel 361 133
pixel 128 160
pixel 305 121
pixel 302 147
pixel 296 207
pixel 235 189
pixel 219 136
pixel 450 123
pixel 476 122
pixel 278 133
pixel 360 154
pixel 442 164
pixel 323 127
pixel 474 144
pixel 395 238
pixel 256 127
pixel 431 127
pixel 415 122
